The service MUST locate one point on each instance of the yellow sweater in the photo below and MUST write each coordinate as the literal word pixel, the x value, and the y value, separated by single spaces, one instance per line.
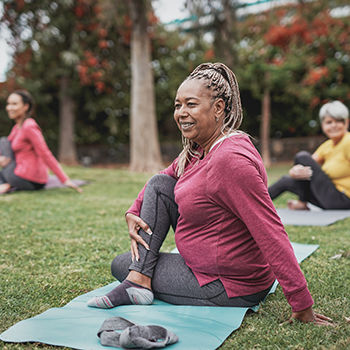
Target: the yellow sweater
pixel 336 162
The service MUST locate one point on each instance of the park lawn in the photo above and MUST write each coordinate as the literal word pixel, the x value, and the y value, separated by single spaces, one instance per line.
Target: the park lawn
pixel 57 244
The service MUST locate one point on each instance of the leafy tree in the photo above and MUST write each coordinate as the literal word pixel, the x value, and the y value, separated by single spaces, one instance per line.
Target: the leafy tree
pixel 70 65
pixel 144 144
pixel 160 60
pixel 219 18
pixel 299 54
pixel 145 150
pixel 48 27
pixel 100 72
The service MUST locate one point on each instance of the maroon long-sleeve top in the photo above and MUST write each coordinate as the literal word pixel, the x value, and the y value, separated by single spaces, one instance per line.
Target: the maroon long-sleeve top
pixel 33 157
pixel 228 228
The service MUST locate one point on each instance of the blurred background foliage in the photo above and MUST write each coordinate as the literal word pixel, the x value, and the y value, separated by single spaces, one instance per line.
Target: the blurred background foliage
pixel 299 51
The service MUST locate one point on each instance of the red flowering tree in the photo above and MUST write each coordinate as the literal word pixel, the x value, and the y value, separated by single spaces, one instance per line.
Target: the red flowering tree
pixel 299 54
pixel 86 45
pixel 318 39
pixel 139 28
pixel 69 55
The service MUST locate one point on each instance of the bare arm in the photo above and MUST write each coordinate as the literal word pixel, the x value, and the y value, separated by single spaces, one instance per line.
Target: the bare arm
pixel 71 184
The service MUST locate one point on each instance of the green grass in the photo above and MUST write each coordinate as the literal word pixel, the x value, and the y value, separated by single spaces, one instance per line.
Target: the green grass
pixel 57 244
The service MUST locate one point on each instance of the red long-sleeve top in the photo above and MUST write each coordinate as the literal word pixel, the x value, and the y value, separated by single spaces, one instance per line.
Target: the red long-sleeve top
pixel 228 228
pixel 33 157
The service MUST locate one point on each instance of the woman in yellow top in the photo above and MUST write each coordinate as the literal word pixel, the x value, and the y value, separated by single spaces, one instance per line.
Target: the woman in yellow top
pixel 322 178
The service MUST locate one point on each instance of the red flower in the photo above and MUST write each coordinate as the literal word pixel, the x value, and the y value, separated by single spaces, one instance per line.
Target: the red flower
pixel 100 85
pixel 79 11
pixel 103 44
pixel 102 33
pixel 209 55
pixel 97 10
pixel 315 101
pixel 315 75
pixel 92 61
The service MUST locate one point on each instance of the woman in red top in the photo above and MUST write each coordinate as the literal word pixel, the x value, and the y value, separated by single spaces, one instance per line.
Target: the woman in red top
pixel 231 242
pixel 24 155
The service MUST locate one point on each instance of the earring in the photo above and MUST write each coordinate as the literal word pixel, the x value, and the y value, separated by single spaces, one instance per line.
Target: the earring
pixel 217 119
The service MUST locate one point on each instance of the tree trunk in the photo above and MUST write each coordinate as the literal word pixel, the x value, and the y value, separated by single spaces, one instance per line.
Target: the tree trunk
pixel 145 153
pixel 265 127
pixel 67 153
pixel 226 38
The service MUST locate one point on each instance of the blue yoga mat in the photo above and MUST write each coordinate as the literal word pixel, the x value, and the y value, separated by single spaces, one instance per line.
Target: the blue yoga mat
pixel 76 325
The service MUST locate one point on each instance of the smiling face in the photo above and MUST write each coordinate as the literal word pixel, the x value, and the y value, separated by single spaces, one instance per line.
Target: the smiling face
pixel 16 109
pixel 334 129
pixel 195 113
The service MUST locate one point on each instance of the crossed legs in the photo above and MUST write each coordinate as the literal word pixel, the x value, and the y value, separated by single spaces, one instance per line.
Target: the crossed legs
pixel 319 191
pixel 171 279
pixel 159 211
pixel 8 178
pixel 6 151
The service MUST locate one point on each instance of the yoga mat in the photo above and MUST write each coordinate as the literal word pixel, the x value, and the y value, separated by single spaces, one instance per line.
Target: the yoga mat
pixel 313 217
pixel 53 182
pixel 76 325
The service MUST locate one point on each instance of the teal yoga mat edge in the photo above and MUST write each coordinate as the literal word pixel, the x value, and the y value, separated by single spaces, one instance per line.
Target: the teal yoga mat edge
pixel 197 327
pixel 213 324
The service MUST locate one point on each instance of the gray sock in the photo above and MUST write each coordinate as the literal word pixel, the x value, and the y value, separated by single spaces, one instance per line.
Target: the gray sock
pixel 127 293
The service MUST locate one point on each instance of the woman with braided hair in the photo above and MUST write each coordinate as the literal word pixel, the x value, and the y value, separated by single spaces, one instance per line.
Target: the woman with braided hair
pixel 232 245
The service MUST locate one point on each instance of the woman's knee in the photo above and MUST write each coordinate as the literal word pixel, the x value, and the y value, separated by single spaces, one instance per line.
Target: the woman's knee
pixel 161 179
pixel 4 143
pixel 162 183
pixel 120 266
pixel 18 182
pixel 303 158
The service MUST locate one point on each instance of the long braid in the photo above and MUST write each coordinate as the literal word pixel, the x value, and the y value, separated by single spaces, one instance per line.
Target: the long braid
pixel 223 83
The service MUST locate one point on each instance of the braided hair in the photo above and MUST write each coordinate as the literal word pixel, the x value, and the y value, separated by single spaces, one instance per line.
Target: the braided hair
pixel 223 83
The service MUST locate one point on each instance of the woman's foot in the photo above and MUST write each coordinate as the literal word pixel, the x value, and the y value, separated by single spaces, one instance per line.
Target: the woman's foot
pixel 127 293
pixel 294 204
pixel 4 188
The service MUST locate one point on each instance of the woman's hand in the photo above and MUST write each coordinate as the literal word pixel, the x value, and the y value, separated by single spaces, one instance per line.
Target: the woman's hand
pixel 4 161
pixel 135 223
pixel 308 315
pixel 300 172
pixel 71 184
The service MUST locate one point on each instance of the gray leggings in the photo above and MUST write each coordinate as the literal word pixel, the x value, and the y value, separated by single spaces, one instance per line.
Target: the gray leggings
pixel 7 174
pixel 172 280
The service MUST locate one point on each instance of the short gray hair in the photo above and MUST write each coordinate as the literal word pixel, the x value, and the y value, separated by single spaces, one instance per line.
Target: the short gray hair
pixel 335 109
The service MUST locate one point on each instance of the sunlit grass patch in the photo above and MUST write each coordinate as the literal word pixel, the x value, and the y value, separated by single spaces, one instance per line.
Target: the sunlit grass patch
pixel 57 244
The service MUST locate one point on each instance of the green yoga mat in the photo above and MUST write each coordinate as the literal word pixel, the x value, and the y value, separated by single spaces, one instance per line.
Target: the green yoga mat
pixel 76 325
